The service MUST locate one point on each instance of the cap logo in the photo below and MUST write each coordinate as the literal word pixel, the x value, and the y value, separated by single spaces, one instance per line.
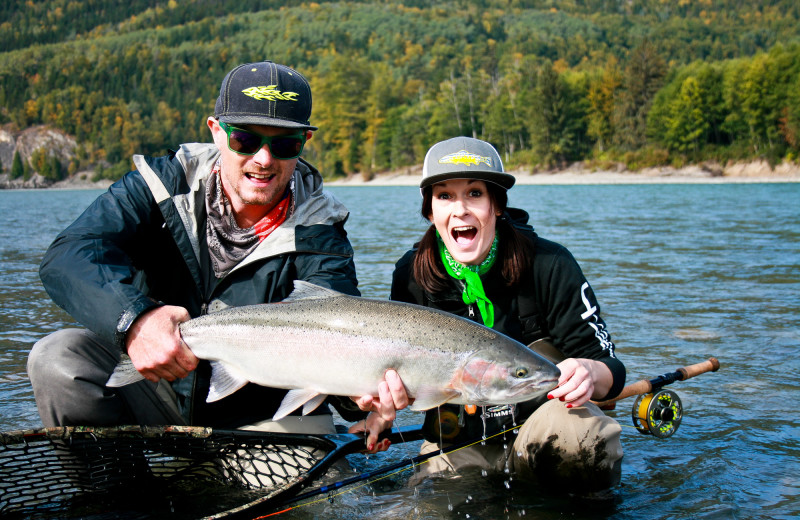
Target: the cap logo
pixel 465 158
pixel 270 93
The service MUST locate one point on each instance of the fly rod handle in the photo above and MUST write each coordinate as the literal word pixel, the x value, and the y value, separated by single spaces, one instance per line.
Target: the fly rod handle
pixel 709 365
pixel 639 387
pixel 645 387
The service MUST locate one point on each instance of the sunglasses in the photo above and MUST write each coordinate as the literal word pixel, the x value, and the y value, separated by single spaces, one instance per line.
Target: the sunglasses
pixel 245 142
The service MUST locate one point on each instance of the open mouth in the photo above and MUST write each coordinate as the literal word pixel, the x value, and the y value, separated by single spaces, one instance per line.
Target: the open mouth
pixel 464 235
pixel 259 177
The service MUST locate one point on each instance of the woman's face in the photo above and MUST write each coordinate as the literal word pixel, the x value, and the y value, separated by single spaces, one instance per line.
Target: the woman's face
pixel 465 217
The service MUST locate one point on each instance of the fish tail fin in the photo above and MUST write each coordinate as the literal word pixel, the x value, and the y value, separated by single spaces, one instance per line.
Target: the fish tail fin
pixel 124 373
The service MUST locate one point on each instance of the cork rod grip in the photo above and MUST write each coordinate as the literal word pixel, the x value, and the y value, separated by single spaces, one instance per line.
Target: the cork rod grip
pixel 644 386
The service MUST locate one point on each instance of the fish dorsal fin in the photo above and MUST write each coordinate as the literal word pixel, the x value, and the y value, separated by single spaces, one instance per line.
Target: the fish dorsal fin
pixel 308 291
pixel 223 382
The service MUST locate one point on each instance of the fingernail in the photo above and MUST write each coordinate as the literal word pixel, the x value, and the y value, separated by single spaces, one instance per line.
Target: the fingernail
pixel 549 396
pixel 569 406
pixel 370 447
pixel 561 398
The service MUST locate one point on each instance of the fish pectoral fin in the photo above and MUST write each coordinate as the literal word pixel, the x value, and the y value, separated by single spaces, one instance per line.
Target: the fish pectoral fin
pixel 427 398
pixel 124 373
pixel 305 397
pixel 313 403
pixel 223 382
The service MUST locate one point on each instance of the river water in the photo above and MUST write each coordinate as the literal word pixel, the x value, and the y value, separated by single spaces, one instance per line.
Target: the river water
pixel 683 272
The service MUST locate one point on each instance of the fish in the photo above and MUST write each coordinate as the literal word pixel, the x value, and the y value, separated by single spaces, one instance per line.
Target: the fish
pixel 319 342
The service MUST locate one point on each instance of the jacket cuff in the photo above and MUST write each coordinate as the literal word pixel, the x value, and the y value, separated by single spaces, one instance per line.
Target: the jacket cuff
pixel 129 315
pixel 618 372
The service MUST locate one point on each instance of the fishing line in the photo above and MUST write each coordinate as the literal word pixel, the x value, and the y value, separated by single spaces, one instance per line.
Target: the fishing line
pixel 402 465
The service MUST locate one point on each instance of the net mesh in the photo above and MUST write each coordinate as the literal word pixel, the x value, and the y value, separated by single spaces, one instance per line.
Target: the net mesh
pixel 135 472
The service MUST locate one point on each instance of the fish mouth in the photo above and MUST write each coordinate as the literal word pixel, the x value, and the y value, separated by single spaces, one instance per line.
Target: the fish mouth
pixel 464 235
pixel 532 389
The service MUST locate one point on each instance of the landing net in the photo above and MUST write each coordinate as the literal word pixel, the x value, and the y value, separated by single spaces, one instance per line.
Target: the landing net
pixel 138 472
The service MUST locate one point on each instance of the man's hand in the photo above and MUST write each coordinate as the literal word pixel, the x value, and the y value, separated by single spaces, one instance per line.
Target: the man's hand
pixel 155 346
pixel 392 396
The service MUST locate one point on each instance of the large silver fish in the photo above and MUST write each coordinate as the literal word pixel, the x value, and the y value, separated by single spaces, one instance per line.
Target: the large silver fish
pixel 319 342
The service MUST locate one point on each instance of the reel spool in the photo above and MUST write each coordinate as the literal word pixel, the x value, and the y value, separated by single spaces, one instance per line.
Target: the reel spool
pixel 658 414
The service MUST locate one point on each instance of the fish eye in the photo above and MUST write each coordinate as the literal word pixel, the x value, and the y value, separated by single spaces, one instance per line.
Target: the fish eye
pixel 521 372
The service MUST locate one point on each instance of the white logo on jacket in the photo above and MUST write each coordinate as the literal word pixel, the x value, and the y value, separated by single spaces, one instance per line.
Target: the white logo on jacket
pixel 593 321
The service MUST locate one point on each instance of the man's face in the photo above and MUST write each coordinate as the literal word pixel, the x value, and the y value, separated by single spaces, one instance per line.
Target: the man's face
pixel 253 184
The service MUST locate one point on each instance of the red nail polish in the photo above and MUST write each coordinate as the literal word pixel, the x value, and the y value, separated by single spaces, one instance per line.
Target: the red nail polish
pixel 569 406
pixel 561 398
pixel 549 396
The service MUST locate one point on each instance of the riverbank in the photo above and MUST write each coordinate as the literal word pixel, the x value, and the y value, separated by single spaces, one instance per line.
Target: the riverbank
pixel 710 173
pixel 751 172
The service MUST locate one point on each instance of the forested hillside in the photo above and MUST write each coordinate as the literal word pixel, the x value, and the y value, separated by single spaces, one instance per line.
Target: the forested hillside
pixel 644 82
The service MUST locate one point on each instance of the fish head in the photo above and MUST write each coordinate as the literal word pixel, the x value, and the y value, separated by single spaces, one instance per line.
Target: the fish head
pixel 492 378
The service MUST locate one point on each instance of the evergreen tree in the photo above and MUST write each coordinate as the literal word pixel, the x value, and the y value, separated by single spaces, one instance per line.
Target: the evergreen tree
pixel 17 169
pixel 555 123
pixel 642 79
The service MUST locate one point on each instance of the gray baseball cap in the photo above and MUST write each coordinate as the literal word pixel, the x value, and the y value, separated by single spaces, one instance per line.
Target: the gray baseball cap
pixel 265 93
pixel 464 158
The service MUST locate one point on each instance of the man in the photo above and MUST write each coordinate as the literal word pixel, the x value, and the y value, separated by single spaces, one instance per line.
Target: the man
pixel 209 226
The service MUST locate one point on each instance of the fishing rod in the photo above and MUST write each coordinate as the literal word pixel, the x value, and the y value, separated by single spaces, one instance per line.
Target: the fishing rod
pixel 656 411
pixel 370 475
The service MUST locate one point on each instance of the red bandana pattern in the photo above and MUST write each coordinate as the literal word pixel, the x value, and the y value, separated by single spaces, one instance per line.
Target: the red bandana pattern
pixel 273 219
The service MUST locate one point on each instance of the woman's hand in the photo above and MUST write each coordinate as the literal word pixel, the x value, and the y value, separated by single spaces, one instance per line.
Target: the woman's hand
pixel 392 396
pixel 581 380
pixel 373 425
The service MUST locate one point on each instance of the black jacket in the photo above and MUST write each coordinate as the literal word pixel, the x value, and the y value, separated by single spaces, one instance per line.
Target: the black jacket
pixel 554 301
pixel 143 244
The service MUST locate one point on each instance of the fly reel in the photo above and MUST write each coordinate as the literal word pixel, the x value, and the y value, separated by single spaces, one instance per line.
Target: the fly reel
pixel 658 414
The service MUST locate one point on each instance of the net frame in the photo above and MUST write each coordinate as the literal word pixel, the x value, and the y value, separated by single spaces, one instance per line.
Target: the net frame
pixel 104 472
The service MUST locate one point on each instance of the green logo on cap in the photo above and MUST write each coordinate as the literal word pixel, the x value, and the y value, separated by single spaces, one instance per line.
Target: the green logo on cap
pixel 270 93
pixel 466 158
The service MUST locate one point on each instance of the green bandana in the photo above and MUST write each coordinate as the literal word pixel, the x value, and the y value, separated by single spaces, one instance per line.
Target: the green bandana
pixel 471 274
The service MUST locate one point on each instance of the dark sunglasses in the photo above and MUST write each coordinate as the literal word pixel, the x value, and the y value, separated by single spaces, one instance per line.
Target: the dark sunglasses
pixel 245 142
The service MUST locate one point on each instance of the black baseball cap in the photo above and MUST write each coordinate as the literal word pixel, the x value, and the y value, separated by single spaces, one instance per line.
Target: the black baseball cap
pixel 265 93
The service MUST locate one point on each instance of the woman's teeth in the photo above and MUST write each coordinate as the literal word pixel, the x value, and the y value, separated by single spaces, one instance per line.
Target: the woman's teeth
pixel 464 234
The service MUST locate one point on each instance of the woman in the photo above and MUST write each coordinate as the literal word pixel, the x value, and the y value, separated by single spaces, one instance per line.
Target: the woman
pixel 479 259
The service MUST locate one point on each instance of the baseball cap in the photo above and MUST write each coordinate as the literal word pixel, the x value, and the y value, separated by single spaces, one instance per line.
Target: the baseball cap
pixel 265 93
pixel 464 158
